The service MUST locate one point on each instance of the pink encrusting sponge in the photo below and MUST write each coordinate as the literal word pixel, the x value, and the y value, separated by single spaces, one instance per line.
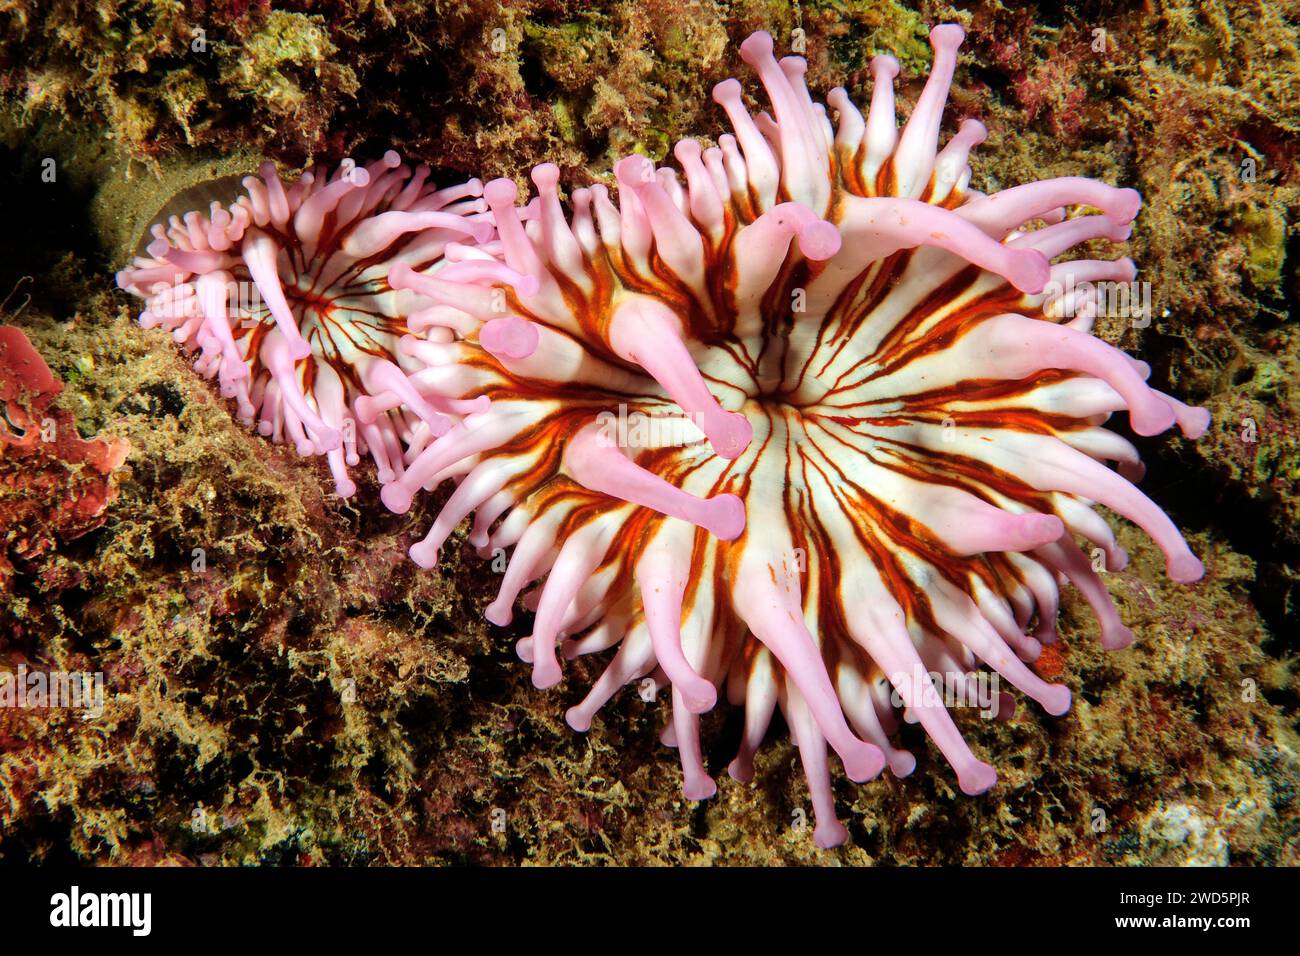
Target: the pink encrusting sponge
pixel 800 422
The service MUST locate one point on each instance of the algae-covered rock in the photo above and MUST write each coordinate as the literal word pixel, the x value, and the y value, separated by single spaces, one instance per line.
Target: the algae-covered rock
pixel 284 686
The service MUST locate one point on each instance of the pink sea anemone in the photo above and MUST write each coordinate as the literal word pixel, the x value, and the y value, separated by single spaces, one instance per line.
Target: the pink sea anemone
pixel 798 423
pixel 871 445
pixel 284 295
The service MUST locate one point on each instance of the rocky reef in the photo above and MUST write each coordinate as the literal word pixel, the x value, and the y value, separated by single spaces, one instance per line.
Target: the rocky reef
pixel 283 686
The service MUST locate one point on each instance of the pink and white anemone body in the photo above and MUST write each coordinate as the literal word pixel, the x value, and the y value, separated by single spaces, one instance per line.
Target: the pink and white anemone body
pixel 284 296
pixel 797 423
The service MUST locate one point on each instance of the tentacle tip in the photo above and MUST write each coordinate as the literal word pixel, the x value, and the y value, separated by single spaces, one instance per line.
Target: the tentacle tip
pixel 884 68
pixel 729 89
pixel 742 771
pixel 1197 423
pixel 1031 650
pixel 976 131
pixel 500 193
pixel 1056 700
pixel 730 438
pixel 499 613
pixel 688 149
pixel 1028 270
pixel 1133 473
pixel 578 719
pixel 1152 420
pixel 864 762
pixel 1116 638
pixel 635 172
pixel 947 36
pixel 701 699
pixel 546 672
pixel 830 835
pixel 327 440
pixel 1126 207
pixel 1039 529
pixel 727 522
pixel 510 337
pixel 396 498
pixel 399 274
pixel 546 175
pixel 1006 707
pixel 757 46
pixel 977 778
pixel 820 240
pixel 699 788
pixel 345 488
pixel 424 554
pixel 439 425
pixel 1185 568
pixel 902 763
